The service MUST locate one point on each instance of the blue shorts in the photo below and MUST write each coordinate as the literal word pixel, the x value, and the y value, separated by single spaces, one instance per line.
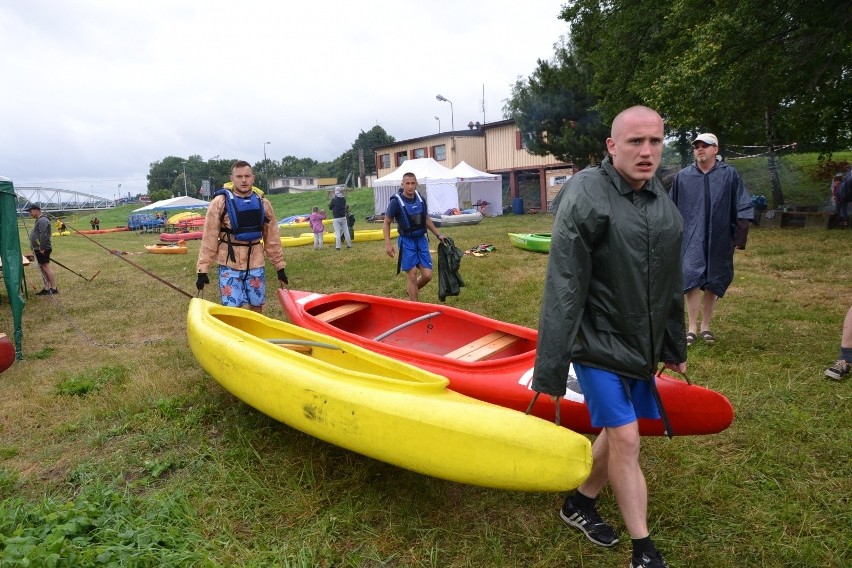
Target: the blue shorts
pixel 237 290
pixel 609 406
pixel 414 251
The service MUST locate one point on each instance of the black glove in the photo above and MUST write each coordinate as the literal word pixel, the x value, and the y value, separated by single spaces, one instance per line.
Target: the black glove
pixel 282 276
pixel 202 280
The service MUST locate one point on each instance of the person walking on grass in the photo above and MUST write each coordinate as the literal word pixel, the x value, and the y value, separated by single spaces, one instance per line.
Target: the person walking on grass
pixel 716 210
pixel 410 212
pixel 844 362
pixel 337 206
pixel 42 247
pixel 237 220
pixel 613 307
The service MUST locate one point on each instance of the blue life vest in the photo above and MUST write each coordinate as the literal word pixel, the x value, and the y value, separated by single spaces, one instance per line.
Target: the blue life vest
pixel 412 216
pixel 246 215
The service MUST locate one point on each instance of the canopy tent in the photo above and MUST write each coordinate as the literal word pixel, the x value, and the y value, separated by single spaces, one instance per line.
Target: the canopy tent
pixel 476 186
pixel 10 252
pixel 181 202
pixel 435 182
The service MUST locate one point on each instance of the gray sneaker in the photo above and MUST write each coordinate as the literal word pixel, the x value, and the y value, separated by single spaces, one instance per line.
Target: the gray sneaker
pixel 592 525
pixel 655 560
pixel 837 371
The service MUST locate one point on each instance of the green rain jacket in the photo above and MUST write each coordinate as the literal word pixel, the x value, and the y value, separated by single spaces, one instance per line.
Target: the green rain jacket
pixel 613 294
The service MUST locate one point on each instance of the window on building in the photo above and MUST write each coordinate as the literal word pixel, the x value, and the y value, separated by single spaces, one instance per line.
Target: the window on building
pixel 298 181
pixel 309 181
pixel 384 161
pixel 439 152
pixel 401 157
pixel 419 152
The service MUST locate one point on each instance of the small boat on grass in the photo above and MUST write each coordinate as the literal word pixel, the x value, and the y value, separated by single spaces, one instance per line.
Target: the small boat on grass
pixel 357 236
pixel 536 242
pixel 483 358
pixel 178 248
pixel 380 407
pixel 464 218
pixel 174 237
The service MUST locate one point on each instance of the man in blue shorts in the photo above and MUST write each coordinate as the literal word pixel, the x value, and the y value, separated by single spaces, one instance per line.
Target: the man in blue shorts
pixel 613 305
pixel 409 210
pixel 240 232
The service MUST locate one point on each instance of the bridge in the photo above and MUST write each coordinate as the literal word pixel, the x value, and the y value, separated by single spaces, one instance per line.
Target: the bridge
pixel 59 201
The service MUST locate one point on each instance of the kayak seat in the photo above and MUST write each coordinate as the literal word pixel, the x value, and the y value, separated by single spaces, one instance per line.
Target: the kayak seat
pixel 341 311
pixel 483 347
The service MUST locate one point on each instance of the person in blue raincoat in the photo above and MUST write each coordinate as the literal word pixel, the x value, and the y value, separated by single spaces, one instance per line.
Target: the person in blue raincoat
pixel 716 210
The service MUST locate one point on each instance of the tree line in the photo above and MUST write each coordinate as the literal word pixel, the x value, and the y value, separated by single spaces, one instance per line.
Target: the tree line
pixel 166 177
pixel 756 72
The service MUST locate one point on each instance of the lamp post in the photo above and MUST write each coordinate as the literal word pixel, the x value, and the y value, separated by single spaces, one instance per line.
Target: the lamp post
pixel 210 178
pixel 452 118
pixel 185 193
pixel 439 124
pixel 264 165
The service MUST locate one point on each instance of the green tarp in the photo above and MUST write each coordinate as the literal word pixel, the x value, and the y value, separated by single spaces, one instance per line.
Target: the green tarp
pixel 10 252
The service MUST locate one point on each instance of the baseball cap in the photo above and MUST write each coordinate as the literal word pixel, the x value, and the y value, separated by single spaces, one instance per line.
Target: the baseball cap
pixel 33 206
pixel 707 138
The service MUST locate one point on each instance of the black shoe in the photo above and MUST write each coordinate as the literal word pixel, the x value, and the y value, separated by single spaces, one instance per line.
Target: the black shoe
pixel 592 525
pixel 655 560
pixel 54 291
pixel 45 292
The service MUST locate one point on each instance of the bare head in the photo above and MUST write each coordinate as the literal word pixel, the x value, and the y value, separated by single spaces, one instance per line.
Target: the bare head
pixel 242 177
pixel 636 144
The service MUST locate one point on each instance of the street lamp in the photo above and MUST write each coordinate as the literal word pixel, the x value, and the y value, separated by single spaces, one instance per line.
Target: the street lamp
pixel 452 118
pixel 210 177
pixel 185 192
pixel 264 165
pixel 439 124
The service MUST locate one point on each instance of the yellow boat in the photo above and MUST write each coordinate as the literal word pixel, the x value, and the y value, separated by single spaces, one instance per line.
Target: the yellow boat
pixel 179 248
pixel 297 241
pixel 359 236
pixel 380 407
pixel 302 224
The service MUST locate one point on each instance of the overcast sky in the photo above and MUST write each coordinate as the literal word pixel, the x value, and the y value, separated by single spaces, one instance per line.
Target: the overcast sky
pixel 95 90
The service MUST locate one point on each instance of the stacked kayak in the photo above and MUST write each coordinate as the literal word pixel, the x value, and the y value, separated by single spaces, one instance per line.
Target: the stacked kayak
pixel 536 242
pixel 380 407
pixel 483 358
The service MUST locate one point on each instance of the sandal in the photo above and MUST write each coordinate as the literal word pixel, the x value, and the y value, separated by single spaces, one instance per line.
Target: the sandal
pixel 691 338
pixel 708 336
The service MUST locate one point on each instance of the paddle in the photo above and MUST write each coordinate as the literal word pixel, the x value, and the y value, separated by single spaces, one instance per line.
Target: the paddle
pixel 75 272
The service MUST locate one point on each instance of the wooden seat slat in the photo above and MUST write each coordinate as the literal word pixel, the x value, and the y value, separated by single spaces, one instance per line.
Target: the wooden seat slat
pixel 483 347
pixel 341 311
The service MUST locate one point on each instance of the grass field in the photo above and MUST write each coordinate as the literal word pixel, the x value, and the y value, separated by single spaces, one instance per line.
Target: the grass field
pixel 116 449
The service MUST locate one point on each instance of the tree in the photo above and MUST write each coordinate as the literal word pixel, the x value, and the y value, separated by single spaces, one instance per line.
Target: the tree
pixel 769 70
pixel 348 162
pixel 555 110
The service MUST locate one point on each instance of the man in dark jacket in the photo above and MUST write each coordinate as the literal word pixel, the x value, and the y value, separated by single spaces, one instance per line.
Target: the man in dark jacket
pixel 40 243
pixel 716 210
pixel 337 206
pixel 613 305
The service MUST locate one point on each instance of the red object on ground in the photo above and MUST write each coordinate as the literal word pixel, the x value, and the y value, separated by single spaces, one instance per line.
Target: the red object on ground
pixel 483 358
pixel 7 352
pixel 175 237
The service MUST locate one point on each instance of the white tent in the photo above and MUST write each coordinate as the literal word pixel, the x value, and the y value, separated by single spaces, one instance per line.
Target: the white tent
pixel 475 186
pixel 181 202
pixel 435 182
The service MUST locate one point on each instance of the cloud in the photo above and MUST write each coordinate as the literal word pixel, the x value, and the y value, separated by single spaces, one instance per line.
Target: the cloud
pixel 97 90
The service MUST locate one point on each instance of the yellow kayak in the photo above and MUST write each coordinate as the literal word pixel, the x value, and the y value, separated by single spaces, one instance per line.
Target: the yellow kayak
pixel 380 407
pixel 297 241
pixel 358 237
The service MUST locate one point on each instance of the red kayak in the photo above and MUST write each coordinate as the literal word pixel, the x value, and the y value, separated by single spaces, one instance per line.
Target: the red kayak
pixel 174 237
pixel 483 358
pixel 7 352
